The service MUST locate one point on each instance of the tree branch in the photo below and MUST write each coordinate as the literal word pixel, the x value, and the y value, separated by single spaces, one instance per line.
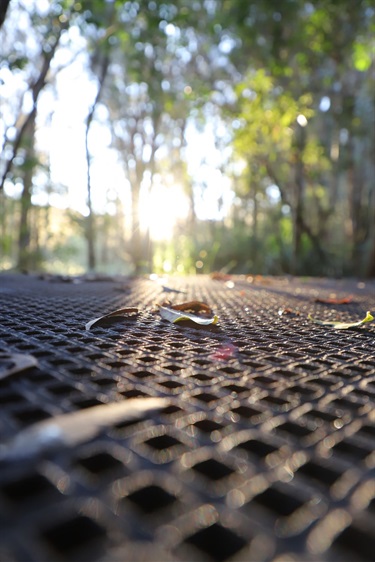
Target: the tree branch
pixel 35 89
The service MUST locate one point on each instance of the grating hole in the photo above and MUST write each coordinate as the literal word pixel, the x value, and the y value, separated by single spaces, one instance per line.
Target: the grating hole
pixel 213 469
pixel 275 401
pixel 163 442
pixel 142 374
pixel 304 390
pixel 99 463
pixel 206 397
pixel 134 393
pixel 217 541
pixel 264 380
pixel 283 373
pixel 169 410
pixel 43 353
pixel 31 416
pixel 28 487
pixel 41 376
pixel 201 377
pixel 176 354
pixel 151 498
pixel 208 425
pixel 172 368
pixel 61 389
pixel 126 352
pixel 11 398
pixel 294 429
pixel 320 473
pixel 342 403
pixel 103 381
pixel 229 370
pixel 81 371
pixel 148 359
pixel 117 364
pixel 87 403
pixel 59 362
pixel 350 449
pixel 325 416
pixel 246 411
pixel 368 430
pixel 171 384
pixel 202 362
pixel 281 503
pixel 72 534
pixel 235 388
pixel 255 364
pixel 366 393
pixel 358 541
pixel 256 447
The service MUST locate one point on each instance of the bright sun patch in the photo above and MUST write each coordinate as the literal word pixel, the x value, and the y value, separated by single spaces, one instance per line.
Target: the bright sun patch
pixel 161 209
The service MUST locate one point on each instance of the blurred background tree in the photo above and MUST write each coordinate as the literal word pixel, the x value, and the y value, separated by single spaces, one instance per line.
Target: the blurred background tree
pixel 188 136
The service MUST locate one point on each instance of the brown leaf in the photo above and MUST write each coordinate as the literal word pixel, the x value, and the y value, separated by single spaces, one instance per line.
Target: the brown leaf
pixel 112 316
pixel 345 300
pixel 194 307
pixel 289 311
pixel 218 276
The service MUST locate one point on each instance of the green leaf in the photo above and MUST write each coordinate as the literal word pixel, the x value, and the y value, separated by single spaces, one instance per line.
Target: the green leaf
pixel 178 316
pixel 343 325
pixel 361 57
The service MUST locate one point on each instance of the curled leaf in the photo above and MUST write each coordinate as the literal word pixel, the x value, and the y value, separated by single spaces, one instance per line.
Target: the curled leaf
pixel 173 315
pixel 194 307
pixel 289 311
pixel 69 430
pixel 112 316
pixel 13 363
pixel 342 325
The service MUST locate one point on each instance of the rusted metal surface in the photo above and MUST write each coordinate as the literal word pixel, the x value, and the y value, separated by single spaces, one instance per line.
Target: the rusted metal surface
pixel 264 450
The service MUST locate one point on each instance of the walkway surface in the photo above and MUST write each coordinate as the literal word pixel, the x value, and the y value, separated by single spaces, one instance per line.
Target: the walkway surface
pixel 141 439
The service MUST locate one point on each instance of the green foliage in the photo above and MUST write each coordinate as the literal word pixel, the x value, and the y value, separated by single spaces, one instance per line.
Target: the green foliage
pixel 290 81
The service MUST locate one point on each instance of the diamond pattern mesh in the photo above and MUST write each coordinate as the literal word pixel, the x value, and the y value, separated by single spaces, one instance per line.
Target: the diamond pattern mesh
pixel 265 450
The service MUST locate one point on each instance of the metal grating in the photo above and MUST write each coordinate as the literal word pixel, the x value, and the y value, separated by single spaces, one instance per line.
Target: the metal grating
pixel 265 450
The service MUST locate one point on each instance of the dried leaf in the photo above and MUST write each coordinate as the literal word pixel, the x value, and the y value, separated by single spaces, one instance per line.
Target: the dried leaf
pixel 112 316
pixel 193 307
pixel 173 315
pixel 333 300
pixel 343 325
pixel 13 363
pixel 290 311
pixel 69 430
pixel 219 276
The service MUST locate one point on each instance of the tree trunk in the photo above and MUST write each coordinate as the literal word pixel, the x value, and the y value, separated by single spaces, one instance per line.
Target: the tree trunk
pixel 254 234
pixel 90 221
pixel 136 238
pixel 299 194
pixel 24 254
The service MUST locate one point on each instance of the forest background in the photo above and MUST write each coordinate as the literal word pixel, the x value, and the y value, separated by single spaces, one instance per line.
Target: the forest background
pixel 188 136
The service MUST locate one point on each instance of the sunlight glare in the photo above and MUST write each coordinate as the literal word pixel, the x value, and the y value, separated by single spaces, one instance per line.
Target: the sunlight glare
pixel 161 209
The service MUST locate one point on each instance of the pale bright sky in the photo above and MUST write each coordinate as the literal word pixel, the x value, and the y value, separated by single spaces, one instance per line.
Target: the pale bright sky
pixel 61 135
